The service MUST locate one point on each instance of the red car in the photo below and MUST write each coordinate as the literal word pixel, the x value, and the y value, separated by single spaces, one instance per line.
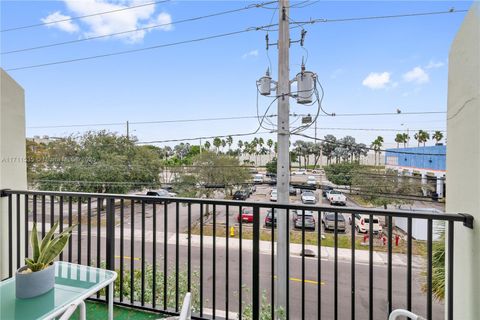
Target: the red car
pixel 247 215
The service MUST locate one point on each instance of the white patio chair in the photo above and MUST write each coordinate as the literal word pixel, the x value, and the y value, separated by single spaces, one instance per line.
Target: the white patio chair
pixel 404 313
pixel 186 312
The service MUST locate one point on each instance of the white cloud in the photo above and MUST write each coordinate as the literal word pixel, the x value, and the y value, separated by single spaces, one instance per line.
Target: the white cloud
pixel 416 75
pixel 252 53
pixel 119 21
pixel 434 64
pixel 377 80
pixel 67 26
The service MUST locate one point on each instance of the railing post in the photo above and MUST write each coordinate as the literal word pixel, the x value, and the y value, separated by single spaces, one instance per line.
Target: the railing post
pixel 256 263
pixel 110 234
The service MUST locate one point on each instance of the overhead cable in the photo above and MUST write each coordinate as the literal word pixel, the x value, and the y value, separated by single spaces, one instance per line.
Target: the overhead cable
pixel 85 16
pixel 150 27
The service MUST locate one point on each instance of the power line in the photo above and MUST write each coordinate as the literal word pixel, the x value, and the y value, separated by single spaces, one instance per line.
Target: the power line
pixel 384 114
pixel 221 35
pixel 231 118
pixel 221 136
pixel 140 29
pixel 313 21
pixel 85 16
pixel 148 122
pixel 405 15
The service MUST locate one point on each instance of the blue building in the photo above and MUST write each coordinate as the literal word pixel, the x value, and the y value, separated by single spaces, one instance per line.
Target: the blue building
pixel 427 162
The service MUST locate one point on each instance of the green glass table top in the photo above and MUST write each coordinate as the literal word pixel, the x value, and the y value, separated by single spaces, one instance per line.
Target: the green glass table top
pixel 72 282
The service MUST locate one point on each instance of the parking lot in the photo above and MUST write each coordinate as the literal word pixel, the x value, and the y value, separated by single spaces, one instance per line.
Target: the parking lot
pixel 262 194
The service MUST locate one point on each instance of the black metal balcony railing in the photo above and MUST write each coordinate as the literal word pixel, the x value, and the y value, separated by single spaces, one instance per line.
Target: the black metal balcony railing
pixel 225 266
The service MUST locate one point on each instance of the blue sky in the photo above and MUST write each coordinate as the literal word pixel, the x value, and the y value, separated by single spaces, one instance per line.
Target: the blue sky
pixel 364 66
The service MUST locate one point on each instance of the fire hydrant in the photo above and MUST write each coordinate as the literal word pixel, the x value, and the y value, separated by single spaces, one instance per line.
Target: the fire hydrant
pixel 397 239
pixel 232 232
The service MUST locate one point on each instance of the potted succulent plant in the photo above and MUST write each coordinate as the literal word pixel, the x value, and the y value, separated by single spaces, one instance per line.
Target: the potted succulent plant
pixel 38 275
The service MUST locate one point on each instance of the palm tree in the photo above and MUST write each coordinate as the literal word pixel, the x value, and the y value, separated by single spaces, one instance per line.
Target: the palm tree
pixel 217 142
pixel 207 145
pixel 399 139
pixel 405 138
pixel 422 137
pixel 437 136
pixel 229 142
pixel 240 145
pixel 377 146
pixel 224 144
pixel 270 144
pixel 246 148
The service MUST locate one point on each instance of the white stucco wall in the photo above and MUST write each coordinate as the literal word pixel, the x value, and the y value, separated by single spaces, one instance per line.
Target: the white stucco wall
pixel 13 170
pixel 463 162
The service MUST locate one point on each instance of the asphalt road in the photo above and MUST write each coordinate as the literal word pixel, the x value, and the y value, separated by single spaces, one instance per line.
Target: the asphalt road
pixel 217 278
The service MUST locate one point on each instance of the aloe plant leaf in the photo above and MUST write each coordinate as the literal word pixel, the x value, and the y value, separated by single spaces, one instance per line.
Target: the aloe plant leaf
pixel 49 236
pixel 34 241
pixel 69 230
pixel 54 249
pixel 30 264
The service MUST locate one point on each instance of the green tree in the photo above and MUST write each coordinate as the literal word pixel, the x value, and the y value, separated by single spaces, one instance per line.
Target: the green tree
pixel 399 139
pixel 217 142
pixel 99 162
pixel 405 139
pixel 229 142
pixel 328 146
pixel 207 145
pixel 422 137
pixel 437 136
pixel 224 144
pixel 382 189
pixel 271 166
pixel 377 147
pixel 211 172
pixel 240 145
pixel 270 145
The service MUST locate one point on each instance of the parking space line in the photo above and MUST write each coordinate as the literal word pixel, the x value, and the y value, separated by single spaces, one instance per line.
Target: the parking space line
pixel 128 258
pixel 306 281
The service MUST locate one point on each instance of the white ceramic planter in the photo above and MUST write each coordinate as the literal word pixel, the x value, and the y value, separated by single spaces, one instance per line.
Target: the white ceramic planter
pixel 33 284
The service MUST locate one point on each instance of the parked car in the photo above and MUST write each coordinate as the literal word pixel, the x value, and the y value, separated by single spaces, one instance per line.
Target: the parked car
pixel 273 195
pixel 362 223
pixel 258 178
pixel 250 189
pixel 246 216
pixel 298 219
pixel 292 191
pixel 311 181
pixel 336 197
pixel 270 174
pixel 299 172
pixel 328 221
pixel 268 219
pixel 273 181
pixel 326 189
pixel 308 197
pixel 160 193
pixel 241 195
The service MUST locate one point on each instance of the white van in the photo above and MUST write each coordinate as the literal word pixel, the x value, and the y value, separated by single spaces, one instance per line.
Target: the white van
pixel 258 178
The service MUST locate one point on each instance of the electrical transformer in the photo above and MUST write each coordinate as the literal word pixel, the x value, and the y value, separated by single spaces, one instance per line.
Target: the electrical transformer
pixel 265 84
pixel 305 86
